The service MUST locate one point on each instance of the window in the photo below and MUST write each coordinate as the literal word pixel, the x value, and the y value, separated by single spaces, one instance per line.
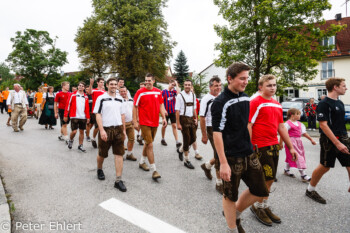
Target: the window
pixel 328 41
pixel 327 70
pixel 291 93
pixel 321 92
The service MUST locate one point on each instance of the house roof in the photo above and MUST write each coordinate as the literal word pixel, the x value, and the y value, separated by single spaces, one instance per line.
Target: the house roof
pixel 342 39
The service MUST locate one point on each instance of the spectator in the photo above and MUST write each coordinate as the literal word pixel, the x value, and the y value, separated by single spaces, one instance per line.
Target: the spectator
pixel 310 111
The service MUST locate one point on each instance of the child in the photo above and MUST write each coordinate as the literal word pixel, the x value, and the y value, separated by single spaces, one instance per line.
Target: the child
pixel 295 131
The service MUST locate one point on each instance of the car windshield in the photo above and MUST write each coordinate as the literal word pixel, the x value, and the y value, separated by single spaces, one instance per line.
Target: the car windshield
pixel 298 105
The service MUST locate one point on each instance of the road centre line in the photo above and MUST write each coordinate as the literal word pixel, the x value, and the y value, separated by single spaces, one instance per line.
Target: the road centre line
pixel 138 217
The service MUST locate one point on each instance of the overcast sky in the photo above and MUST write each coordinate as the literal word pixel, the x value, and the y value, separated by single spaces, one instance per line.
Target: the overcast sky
pixel 190 23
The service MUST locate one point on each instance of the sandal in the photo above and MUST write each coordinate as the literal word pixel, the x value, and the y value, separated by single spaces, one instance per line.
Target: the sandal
pixel 305 178
pixel 286 172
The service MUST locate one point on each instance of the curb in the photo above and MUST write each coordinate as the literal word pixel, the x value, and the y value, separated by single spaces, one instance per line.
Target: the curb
pixel 5 218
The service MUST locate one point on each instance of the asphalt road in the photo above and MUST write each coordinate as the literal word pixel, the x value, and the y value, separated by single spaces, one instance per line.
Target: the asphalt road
pixel 51 184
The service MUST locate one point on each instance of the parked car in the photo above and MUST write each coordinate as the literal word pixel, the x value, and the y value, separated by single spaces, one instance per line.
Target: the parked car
pixel 304 100
pixel 347 113
pixel 293 104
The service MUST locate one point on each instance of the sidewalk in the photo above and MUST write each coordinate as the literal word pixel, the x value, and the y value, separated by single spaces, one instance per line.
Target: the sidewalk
pixel 5 218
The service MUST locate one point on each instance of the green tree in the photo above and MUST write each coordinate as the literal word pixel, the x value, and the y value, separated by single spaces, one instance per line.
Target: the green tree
pixel 93 46
pixel 181 67
pixel 6 77
pixel 134 35
pixel 35 57
pixel 274 36
pixel 199 86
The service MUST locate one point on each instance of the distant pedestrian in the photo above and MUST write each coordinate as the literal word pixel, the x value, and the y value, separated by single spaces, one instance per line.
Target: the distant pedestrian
pixel 5 95
pixel 38 99
pixel 47 117
pixel 295 131
pixel 310 111
pixel 1 103
pixel 61 100
pixel 18 103
pixel 139 137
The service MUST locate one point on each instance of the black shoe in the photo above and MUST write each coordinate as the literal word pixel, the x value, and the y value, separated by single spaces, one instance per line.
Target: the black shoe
pixel 100 174
pixel 188 164
pixel 120 185
pixel 163 142
pixel 93 142
pixel 315 196
pixel 178 145
pixel 181 155
pixel 81 148
pixel 70 144
pixel 60 138
pixel 239 226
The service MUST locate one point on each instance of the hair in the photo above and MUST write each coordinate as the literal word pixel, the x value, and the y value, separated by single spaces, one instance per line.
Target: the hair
pixel 171 81
pixel 111 79
pixel 235 68
pixel 215 78
pixel 74 87
pixel 142 83
pixel 17 84
pixel 49 87
pixel 188 80
pixel 120 79
pixel 293 111
pixel 100 79
pixel 331 82
pixel 122 87
pixel 64 83
pixel 81 82
pixel 265 78
pixel 150 75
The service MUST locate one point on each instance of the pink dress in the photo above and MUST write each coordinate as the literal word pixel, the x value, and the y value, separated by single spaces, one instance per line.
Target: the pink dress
pixel 295 136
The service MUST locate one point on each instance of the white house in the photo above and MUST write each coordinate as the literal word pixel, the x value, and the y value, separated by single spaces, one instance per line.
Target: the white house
pixel 213 70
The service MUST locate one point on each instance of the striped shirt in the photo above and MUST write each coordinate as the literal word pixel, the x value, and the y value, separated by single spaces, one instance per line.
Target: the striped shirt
pixel 169 100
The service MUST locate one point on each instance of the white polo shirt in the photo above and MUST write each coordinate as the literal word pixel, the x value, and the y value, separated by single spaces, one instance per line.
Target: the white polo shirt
pixel 80 100
pixel 111 109
pixel 129 104
pixel 180 105
pixel 205 109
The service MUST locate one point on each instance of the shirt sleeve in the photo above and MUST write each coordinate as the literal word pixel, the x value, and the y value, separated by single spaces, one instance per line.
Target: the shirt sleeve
pixel 57 97
pixel 123 107
pixel 129 95
pixel 216 116
pixel 97 105
pixel 322 112
pixel 287 126
pixel 195 101
pixel 9 99
pixel 303 128
pixel 253 111
pixel 136 96
pixel 178 103
pixel 161 100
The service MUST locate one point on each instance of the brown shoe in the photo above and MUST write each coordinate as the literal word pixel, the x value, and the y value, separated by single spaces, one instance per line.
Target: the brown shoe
pixel 21 128
pixel 207 171
pixel 163 142
pixel 155 175
pixel 261 215
pixel 315 196
pixel 239 226
pixel 198 157
pixel 220 188
pixel 274 218
pixel 16 130
pixel 144 167
pixel 8 124
pixel 131 157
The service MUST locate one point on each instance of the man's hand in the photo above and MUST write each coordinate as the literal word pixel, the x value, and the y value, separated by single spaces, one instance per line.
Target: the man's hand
pixel 294 154
pixel 179 126
pixel 196 121
pixel 205 139
pixel 281 145
pixel 136 125
pixel 125 136
pixel 56 115
pixel 65 119
pixel 88 121
pixel 165 123
pixel 103 135
pixel 92 80
pixel 166 113
pixel 225 172
pixel 313 142
pixel 342 148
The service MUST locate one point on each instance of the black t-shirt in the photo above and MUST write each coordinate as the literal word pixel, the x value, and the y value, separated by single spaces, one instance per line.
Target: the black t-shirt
pixel 230 113
pixel 333 112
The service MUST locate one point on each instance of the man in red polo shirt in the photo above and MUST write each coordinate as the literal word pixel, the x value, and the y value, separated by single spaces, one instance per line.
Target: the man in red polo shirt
pixel 148 102
pixel 61 100
pixel 96 92
pixel 265 120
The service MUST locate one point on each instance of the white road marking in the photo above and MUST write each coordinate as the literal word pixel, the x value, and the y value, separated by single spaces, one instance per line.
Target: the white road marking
pixel 138 217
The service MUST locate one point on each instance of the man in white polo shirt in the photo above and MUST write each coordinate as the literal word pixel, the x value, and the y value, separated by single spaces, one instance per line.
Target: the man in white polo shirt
pixel 110 118
pixel 18 103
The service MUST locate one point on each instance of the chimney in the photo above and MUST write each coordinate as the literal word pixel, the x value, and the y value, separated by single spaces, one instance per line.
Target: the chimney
pixel 338 17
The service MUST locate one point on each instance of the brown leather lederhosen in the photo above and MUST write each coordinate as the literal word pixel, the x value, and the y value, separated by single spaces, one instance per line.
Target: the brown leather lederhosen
pixel 188 126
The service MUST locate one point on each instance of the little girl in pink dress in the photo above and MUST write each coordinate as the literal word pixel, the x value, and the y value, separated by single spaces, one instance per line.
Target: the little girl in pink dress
pixel 295 131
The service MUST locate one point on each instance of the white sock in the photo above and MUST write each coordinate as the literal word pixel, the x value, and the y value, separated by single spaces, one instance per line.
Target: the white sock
pixel 302 172
pixel 232 230
pixel 218 181
pixel 238 214
pixel 311 188
pixel 186 158
pixel 181 149
pixel 143 159
pixel 265 204
pixel 287 166
pixel 128 152
pixel 65 137
pixel 196 152
pixel 208 165
pixel 153 167
pixel 259 205
pixel 177 142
